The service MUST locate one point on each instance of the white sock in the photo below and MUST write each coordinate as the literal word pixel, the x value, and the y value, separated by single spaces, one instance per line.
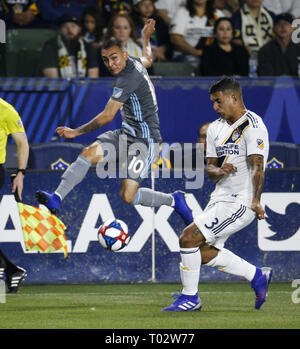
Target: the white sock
pixel 152 198
pixel 190 269
pixel 58 195
pixel 173 202
pixel 230 263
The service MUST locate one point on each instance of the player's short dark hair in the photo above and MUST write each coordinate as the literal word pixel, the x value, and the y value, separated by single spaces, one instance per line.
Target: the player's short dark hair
pixel 225 85
pixel 112 42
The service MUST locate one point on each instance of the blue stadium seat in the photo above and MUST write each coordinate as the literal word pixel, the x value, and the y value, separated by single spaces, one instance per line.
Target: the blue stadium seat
pixel 174 69
pixel 23 50
pixel 53 156
pixel 283 155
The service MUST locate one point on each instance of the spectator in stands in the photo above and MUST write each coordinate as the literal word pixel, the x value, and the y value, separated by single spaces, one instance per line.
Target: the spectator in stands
pixel 166 9
pixel 114 7
pixel 121 27
pixel 92 26
pixel 20 14
pixel 280 56
pixel 202 132
pixel 253 25
pixel 160 40
pixel 283 6
pixel 52 10
pixel 228 7
pixel 68 55
pixel 192 29
pixel 224 57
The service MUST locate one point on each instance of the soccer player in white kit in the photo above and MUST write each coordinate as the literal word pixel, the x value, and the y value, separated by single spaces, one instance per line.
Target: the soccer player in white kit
pixel 237 151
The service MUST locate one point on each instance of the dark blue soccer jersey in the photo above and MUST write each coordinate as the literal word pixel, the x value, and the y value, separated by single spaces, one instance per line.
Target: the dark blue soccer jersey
pixel 134 88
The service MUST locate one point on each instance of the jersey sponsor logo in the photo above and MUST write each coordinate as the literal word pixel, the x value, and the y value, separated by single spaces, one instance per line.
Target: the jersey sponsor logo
pixel 280 230
pixel 205 32
pixel 227 149
pixel 230 145
pixel 117 92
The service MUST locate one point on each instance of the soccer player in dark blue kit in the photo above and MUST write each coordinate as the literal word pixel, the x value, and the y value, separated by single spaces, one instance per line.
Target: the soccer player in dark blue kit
pixel 134 96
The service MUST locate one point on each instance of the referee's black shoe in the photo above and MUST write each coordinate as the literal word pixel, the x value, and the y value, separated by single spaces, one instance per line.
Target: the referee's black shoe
pixel 14 280
pixel 1 273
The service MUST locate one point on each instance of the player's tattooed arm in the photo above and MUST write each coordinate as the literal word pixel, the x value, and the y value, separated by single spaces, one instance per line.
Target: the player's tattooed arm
pixel 67 132
pixel 256 163
pixel 89 127
pixel 102 118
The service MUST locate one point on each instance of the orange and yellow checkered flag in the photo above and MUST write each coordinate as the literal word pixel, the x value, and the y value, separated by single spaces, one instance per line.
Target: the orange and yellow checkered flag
pixel 42 230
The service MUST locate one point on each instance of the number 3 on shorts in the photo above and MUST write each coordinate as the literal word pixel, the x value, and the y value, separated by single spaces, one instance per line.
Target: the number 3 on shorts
pixel 213 223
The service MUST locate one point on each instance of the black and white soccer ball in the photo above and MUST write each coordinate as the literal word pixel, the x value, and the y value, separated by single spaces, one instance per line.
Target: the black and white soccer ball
pixel 113 234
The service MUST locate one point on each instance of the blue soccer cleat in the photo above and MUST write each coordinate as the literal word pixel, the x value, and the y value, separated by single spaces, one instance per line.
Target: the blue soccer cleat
pixel 185 302
pixel 182 208
pixel 260 284
pixel 51 200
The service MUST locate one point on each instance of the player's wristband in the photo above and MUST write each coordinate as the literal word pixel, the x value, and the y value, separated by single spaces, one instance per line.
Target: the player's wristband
pixel 21 170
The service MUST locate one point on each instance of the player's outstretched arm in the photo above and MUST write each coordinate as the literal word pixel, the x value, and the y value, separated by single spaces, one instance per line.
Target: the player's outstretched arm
pixel 103 118
pixel 215 173
pixel 256 163
pixel 148 30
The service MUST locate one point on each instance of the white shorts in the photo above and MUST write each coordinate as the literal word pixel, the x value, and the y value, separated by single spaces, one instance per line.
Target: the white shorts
pixel 222 219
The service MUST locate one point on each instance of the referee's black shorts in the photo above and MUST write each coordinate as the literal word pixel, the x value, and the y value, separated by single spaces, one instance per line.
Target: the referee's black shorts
pixel 2 175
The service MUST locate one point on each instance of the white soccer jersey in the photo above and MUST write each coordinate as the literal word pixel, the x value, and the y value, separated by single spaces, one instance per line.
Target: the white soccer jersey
pixel 170 5
pixel 191 28
pixel 233 144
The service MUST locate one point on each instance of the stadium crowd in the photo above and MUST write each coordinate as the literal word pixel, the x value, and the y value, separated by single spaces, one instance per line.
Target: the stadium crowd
pixel 213 37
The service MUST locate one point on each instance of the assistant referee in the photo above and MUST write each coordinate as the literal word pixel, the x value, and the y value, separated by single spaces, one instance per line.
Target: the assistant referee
pixel 11 123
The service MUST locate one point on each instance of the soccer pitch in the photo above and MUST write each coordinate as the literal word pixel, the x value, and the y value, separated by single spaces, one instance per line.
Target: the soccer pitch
pixel 138 306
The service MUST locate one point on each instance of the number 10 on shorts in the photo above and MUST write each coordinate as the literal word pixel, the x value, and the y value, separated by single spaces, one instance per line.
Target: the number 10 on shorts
pixel 136 165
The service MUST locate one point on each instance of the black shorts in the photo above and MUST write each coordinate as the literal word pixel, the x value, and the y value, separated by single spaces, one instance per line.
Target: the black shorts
pixel 2 175
pixel 126 156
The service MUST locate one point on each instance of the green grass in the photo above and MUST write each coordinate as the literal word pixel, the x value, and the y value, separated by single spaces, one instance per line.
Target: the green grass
pixel 122 306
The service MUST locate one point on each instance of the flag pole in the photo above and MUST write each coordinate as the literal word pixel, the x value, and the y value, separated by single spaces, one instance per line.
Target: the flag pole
pixel 12 177
pixel 153 229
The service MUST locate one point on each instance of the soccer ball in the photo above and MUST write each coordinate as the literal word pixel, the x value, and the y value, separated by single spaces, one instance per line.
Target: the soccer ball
pixel 113 235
